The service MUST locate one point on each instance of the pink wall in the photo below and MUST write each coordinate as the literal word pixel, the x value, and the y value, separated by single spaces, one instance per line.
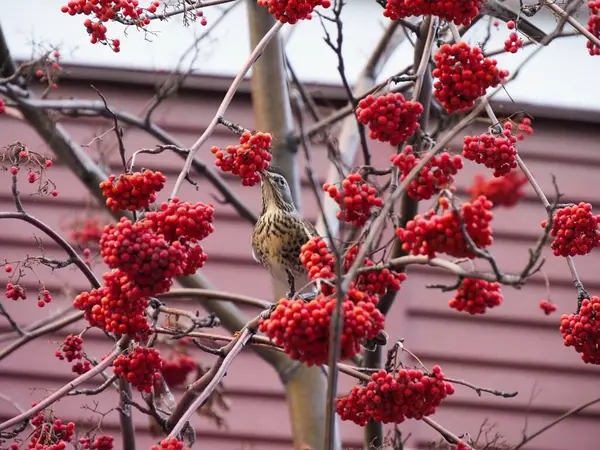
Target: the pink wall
pixel 513 347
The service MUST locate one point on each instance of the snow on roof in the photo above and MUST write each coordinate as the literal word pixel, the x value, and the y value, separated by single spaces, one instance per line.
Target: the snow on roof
pixel 560 76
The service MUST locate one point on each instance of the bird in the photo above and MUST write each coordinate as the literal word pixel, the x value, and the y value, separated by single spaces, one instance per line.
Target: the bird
pixel 279 234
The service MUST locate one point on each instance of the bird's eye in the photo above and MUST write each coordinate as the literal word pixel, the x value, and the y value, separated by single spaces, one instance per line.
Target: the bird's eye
pixel 281 181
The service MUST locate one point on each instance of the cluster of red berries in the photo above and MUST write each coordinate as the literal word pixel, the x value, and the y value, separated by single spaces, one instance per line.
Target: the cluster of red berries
pixel 524 128
pixel 438 174
pixel 501 191
pixel 432 233
pixel 375 282
pixel 462 446
pixel 496 152
pixel 393 398
pixel 476 296
pixel 513 43
pixel 356 199
pixel 103 442
pixel 594 27
pixel 581 330
pixel 44 297
pixel 177 220
pixel 15 292
pixel 390 117
pixel 461 12
pixel 292 11
pixel 71 348
pixel 248 159
pixel 50 433
pixel 132 191
pixel 203 20
pixel 575 230
pixel 170 444
pixel 140 367
pixel 463 75
pixel 320 263
pixel 117 307
pixel 107 10
pixel 547 307
pixel 87 232
pixel 2 106
pixel 81 367
pixel 302 328
pixel 175 370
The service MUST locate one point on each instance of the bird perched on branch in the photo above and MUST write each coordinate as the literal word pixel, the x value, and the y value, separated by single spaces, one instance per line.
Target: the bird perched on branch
pixel 279 234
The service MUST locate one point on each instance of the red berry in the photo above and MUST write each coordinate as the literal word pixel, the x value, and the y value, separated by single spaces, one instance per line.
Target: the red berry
pixel 389 117
pixel 463 75
pixel 461 12
pixel 291 11
pixel 547 307
pixel 246 160
pixel 476 296
pixel 431 233
pixel 170 444
pixel 510 25
pixel 132 191
pixel 393 398
pixel 581 330
pixel 505 191
pixel 141 368
pixel 356 199
pixel 438 174
pixel 496 152
pixel 302 328
pixel 575 230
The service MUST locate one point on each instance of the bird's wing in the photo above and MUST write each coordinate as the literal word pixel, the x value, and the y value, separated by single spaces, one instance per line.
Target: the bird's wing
pixel 309 228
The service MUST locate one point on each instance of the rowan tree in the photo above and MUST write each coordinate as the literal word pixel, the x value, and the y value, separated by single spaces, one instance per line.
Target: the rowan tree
pixel 149 246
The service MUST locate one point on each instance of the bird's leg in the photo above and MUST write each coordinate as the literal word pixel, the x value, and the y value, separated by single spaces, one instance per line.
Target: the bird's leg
pixel 291 284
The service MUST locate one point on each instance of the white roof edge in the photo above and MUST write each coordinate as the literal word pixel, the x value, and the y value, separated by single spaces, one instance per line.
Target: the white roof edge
pixel 330 91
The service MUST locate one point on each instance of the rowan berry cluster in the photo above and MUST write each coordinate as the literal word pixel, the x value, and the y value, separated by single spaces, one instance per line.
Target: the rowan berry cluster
pixel 461 12
pixel 2 106
pixel 375 282
pixel 291 11
pixel 170 444
pixel 81 367
pixel 176 369
pixel 132 191
pixel 594 27
pixel 438 174
pixel 501 191
pixel 140 367
pixel 547 307
pixel 248 159
pixel 581 332
pixel 356 198
pixel 496 152
pixel 44 297
pixel 317 259
pixel 49 433
pixel 476 296
pixel 432 233
pixel 513 43
pixel 71 348
pixel 390 117
pixel 87 232
pixel 524 128
pixel 15 292
pixel 102 11
pixel 393 398
pixel 320 263
pixel 575 230
pixel 462 446
pixel 463 75
pixel 177 220
pixel 302 328
pixel 117 307
pixel 102 442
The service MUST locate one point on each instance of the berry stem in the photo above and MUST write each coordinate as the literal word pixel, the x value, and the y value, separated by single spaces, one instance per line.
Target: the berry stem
pixel 580 28
pixel 446 434
pixel 210 380
pixel 425 58
pixel 68 387
pixel 224 105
